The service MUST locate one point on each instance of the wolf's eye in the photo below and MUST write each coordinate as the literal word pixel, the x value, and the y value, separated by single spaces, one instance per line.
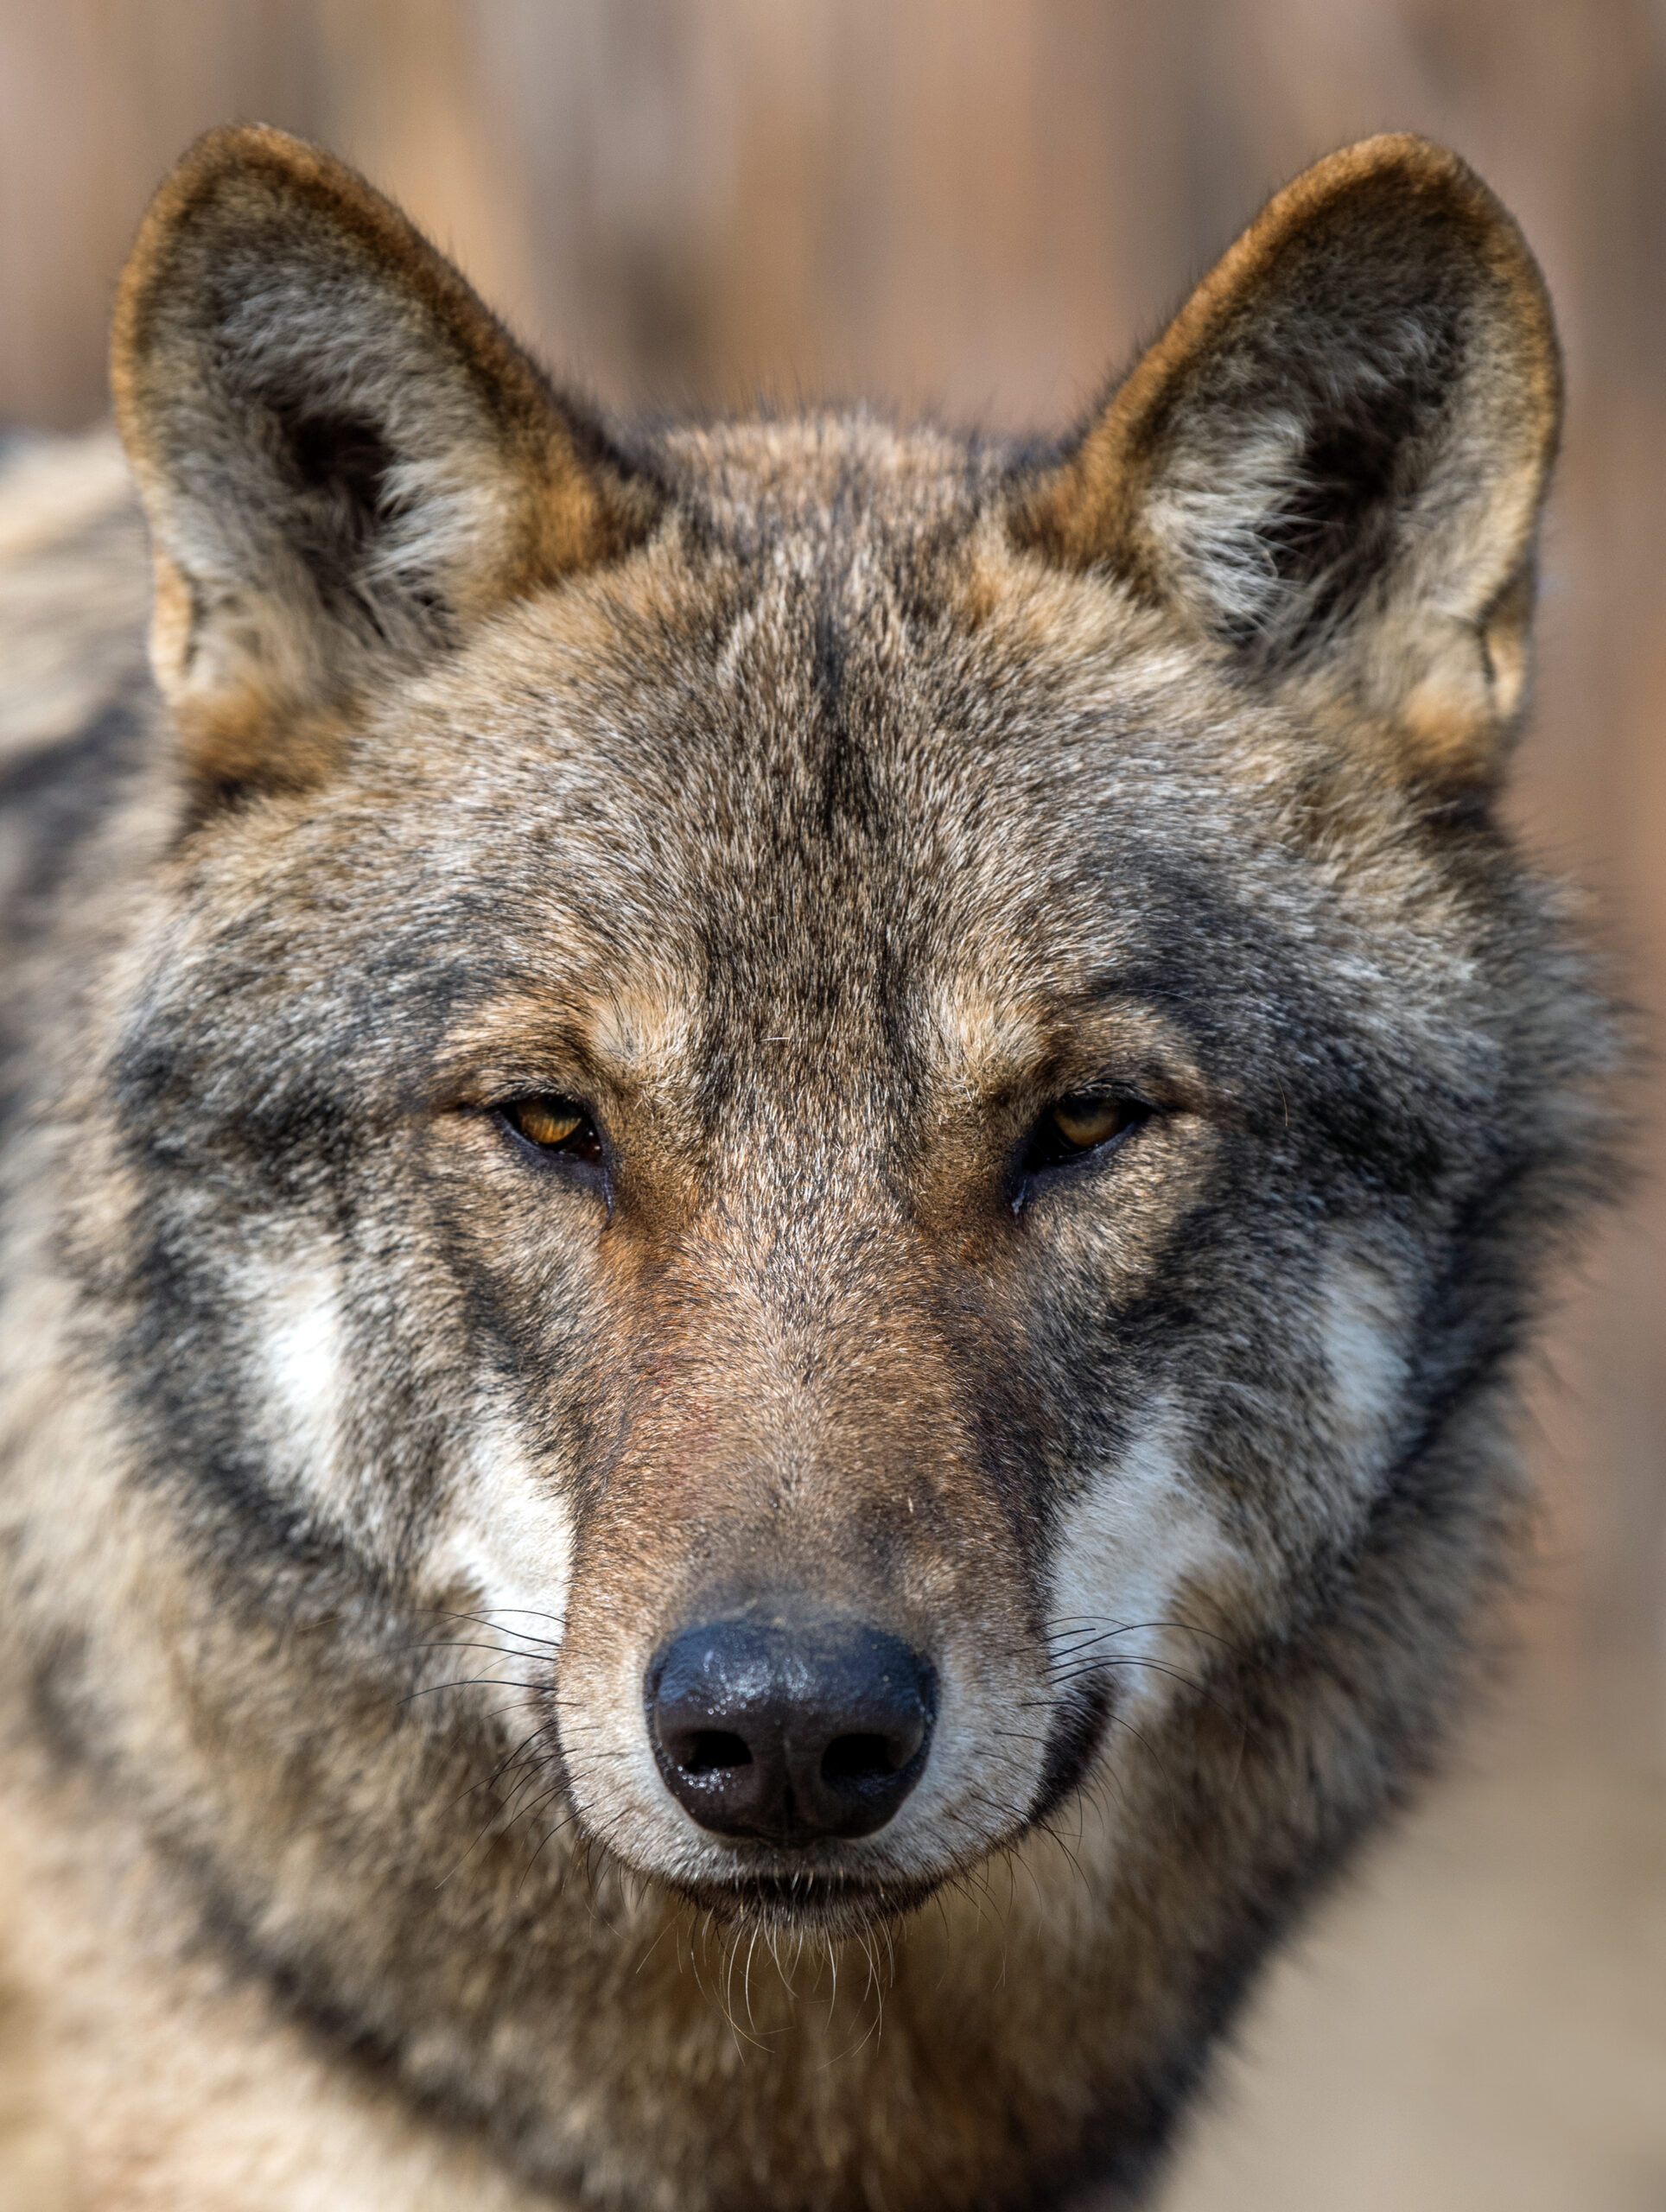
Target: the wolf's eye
pixel 1086 1122
pixel 554 1125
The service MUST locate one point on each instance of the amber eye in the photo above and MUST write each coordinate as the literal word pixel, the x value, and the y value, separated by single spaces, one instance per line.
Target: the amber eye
pixel 554 1125
pixel 1084 1122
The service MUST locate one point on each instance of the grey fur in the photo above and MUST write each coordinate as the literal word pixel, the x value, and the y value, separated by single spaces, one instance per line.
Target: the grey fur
pixel 856 797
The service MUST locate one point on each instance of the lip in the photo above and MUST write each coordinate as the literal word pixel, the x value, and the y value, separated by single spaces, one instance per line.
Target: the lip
pixel 812 1902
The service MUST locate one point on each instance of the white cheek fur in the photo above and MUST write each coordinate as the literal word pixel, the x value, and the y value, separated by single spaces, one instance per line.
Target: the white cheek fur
pixel 1141 1532
pixel 303 1362
pixel 509 1539
pixel 295 1321
pixel 1363 1332
pixel 506 1545
pixel 1146 1535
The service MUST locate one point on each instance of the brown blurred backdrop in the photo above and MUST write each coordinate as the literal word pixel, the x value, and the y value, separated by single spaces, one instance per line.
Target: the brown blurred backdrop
pixel 979 207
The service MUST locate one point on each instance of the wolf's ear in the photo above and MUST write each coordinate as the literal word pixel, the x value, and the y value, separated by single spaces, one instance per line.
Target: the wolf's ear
pixel 1334 461
pixel 345 461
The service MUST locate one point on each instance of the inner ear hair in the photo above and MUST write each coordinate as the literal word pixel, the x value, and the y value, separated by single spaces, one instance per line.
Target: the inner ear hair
pixel 1331 465
pixel 345 462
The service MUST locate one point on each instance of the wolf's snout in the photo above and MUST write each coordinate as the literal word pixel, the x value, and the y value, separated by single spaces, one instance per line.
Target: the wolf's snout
pixel 790 1733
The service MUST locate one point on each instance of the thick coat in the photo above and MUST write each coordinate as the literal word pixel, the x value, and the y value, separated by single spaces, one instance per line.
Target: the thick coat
pixel 808 1037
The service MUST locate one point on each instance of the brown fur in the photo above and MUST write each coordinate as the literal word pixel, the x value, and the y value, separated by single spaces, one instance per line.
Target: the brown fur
pixel 552 506
pixel 1451 683
pixel 816 804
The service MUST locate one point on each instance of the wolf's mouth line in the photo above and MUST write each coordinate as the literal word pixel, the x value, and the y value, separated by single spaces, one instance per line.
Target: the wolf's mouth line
pixel 836 1909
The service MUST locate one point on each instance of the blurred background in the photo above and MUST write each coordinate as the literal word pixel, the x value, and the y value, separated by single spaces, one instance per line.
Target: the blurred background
pixel 978 208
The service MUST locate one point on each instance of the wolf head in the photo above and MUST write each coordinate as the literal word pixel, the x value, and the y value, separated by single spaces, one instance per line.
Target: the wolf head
pixel 884 1110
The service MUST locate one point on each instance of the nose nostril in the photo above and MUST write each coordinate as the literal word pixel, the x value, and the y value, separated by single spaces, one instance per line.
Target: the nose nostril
pixel 712 1750
pixel 790 1733
pixel 863 1758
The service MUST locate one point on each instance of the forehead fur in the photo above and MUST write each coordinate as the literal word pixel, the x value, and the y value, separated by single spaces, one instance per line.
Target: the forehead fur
pixel 831 739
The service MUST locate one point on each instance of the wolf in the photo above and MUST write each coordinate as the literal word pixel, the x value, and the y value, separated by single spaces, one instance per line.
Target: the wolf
pixel 773 1191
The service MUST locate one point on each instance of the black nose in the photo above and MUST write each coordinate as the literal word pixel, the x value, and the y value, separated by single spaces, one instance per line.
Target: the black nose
pixel 790 1733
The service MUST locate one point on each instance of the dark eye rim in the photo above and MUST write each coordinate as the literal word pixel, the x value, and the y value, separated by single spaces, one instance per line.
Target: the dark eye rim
pixel 1045 1155
pixel 583 1154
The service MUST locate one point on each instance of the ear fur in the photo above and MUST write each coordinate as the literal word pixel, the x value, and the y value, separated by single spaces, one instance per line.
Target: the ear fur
pixel 345 462
pixel 1333 461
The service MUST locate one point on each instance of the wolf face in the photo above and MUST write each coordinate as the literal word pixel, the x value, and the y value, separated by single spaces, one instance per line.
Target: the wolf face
pixel 817 1149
